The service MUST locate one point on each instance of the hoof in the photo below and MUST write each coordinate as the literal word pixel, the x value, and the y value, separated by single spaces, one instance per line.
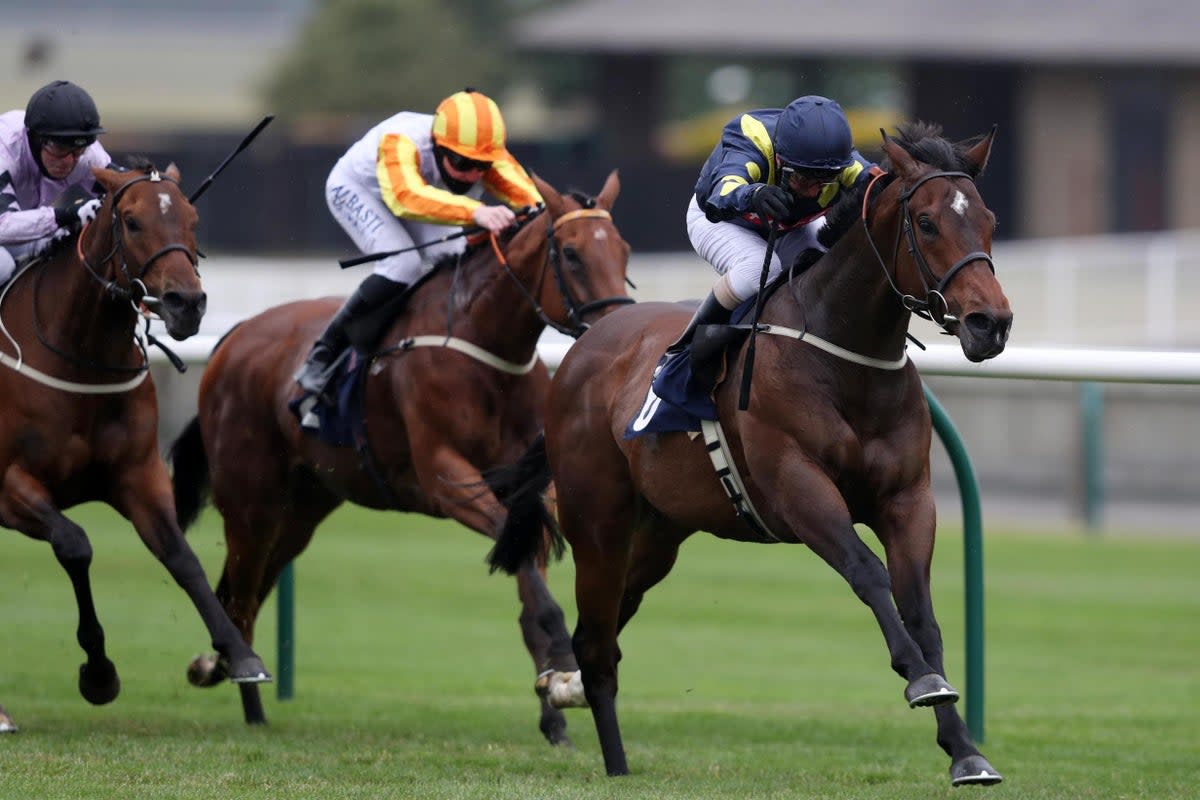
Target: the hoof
pixel 99 683
pixel 249 670
pixel 557 737
pixel 561 689
pixel 973 770
pixel 930 690
pixel 205 671
pixel 553 725
pixel 6 723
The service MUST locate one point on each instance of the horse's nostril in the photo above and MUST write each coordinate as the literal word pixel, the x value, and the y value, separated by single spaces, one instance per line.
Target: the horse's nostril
pixel 178 302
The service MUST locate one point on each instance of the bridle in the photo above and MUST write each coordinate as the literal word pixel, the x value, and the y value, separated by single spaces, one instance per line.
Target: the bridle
pixel 134 291
pixel 554 260
pixel 934 306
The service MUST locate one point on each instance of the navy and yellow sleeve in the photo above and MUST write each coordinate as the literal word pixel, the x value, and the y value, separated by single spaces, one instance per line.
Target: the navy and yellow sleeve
pixel 744 157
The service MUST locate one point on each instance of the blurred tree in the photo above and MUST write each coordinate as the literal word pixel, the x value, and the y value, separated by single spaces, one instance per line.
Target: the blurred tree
pixel 376 57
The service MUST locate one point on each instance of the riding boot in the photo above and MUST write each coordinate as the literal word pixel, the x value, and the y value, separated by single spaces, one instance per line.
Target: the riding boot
pixel 710 312
pixel 375 290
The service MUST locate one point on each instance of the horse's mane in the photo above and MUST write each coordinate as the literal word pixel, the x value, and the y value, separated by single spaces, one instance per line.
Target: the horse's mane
pixel 921 140
pixel 137 163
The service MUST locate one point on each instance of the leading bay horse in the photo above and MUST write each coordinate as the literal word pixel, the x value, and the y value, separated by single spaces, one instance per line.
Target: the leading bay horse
pixel 836 431
pixel 80 419
pixel 456 389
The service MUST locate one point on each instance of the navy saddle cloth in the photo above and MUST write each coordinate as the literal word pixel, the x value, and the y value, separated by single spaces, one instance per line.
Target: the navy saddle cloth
pixel 676 400
pixel 339 424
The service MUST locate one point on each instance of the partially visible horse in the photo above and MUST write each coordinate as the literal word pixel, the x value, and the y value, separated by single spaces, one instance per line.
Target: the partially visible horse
pixel 458 388
pixel 80 419
pixel 836 431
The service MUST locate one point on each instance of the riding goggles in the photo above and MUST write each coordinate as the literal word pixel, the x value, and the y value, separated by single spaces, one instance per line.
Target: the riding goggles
pixel 464 164
pixel 809 177
pixel 71 146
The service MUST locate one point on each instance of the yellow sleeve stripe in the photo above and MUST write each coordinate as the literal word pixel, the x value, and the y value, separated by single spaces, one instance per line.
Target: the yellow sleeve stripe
pixel 757 133
pixel 406 193
pixel 731 182
pixel 850 174
pixel 509 182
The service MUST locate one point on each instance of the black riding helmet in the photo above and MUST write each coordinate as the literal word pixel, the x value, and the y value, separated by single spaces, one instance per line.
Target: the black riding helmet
pixel 63 111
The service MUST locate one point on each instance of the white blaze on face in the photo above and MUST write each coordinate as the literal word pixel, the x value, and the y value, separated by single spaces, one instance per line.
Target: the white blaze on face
pixel 164 202
pixel 600 234
pixel 960 203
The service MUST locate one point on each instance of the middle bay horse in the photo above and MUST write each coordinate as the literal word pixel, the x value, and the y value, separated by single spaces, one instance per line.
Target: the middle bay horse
pixel 457 388
pixel 836 430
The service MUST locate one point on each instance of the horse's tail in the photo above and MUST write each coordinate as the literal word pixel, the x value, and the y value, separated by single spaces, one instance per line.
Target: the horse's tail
pixel 520 487
pixel 189 474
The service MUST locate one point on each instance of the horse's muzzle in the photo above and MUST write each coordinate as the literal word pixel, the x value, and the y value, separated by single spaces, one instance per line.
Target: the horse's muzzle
pixel 983 335
pixel 182 312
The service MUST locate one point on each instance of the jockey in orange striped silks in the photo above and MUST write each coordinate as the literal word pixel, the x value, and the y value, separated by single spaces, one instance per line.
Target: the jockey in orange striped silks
pixel 399 186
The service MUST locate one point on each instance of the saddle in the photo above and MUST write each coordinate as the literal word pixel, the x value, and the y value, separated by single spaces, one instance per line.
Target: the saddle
pixel 681 390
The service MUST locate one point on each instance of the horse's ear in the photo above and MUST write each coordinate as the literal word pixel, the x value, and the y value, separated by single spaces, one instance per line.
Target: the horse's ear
pixel 608 195
pixel 108 178
pixel 901 163
pixel 554 201
pixel 977 154
pixel 172 172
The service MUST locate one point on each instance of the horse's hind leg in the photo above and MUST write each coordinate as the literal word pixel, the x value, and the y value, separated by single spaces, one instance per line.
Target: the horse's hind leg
pixel 261 539
pixel 6 722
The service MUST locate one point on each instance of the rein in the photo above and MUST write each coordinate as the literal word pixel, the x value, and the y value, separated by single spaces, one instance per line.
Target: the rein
pixel 18 364
pixel 554 260
pixel 134 292
pixel 934 306
pixel 575 310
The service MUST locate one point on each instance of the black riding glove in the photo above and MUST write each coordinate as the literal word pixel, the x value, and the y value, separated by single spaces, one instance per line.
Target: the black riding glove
pixel 76 216
pixel 771 201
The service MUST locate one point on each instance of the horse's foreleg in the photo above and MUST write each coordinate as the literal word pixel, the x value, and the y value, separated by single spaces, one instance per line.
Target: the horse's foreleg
pixel 543 627
pixel 27 507
pixel 816 514
pixel 907 533
pixel 146 500
pixel 597 516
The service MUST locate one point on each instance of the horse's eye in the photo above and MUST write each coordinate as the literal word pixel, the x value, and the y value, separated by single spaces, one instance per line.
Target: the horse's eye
pixel 572 255
pixel 131 225
pixel 926 225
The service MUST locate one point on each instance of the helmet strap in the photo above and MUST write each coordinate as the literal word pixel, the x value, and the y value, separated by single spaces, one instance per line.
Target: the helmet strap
pixel 35 146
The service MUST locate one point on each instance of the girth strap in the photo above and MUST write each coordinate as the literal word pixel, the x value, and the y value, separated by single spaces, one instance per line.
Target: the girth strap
pixel 722 461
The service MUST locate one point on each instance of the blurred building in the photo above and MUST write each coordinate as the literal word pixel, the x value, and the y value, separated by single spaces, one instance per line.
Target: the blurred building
pixel 1097 101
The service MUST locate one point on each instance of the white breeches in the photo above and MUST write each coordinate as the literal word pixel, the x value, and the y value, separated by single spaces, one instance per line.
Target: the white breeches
pixel 737 253
pixel 373 228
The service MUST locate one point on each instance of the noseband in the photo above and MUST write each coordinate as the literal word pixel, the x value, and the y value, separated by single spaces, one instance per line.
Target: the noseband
pixel 934 306
pixel 135 290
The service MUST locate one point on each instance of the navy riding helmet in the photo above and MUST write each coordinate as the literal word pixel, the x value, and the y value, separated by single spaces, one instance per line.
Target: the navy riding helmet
pixel 62 110
pixel 812 133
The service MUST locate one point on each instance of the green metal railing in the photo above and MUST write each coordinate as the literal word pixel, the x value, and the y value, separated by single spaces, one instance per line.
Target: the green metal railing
pixel 968 489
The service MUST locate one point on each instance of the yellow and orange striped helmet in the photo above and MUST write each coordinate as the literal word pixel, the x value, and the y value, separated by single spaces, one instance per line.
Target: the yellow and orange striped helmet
pixel 469 123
